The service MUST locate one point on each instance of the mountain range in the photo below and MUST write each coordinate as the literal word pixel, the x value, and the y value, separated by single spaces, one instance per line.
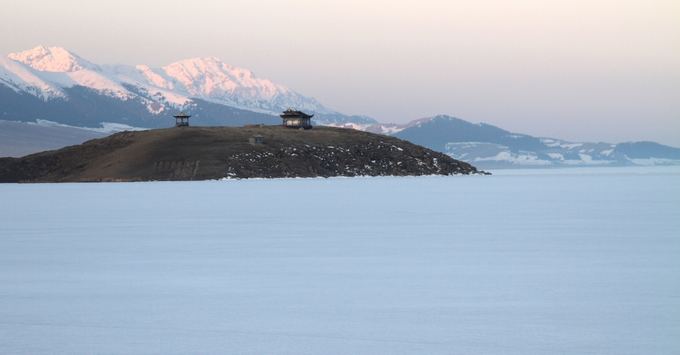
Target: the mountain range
pixel 55 84
pixel 52 91
pixel 488 146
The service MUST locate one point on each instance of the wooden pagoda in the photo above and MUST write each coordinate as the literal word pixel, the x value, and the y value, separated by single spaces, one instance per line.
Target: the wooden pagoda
pixel 296 119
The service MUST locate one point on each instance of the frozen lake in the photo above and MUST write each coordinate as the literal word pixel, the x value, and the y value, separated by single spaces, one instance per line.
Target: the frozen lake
pixel 575 261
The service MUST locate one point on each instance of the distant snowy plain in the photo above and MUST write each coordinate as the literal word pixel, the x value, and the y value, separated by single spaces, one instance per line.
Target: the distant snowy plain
pixel 571 261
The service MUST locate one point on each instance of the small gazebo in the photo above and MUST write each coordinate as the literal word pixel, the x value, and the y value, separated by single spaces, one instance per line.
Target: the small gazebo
pixel 182 119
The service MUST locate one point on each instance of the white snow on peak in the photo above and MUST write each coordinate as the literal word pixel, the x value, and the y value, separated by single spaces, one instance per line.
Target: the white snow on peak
pixel 211 78
pixel 49 69
pixel 159 87
pixel 52 59
pixel 22 78
pixel 154 78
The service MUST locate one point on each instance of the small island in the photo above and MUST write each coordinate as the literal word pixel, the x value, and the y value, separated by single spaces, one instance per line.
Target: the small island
pixel 206 153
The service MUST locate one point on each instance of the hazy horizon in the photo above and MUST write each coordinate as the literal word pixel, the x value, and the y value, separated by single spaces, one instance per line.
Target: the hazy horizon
pixel 577 70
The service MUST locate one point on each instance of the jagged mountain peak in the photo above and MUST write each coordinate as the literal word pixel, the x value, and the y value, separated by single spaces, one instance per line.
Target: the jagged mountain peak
pixel 211 65
pixel 52 59
pixel 211 77
pixel 200 61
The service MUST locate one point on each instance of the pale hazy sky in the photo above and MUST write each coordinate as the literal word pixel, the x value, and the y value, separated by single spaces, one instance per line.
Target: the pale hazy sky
pixel 582 70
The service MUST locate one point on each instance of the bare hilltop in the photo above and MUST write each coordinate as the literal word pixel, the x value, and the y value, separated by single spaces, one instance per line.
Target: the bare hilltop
pixel 204 153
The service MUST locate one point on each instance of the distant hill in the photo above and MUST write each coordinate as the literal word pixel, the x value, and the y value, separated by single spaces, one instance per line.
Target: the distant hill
pixel 200 153
pixel 488 146
pixel 20 138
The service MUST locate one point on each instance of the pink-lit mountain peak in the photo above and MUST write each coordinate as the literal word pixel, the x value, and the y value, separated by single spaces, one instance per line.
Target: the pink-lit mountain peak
pixel 210 75
pixel 52 59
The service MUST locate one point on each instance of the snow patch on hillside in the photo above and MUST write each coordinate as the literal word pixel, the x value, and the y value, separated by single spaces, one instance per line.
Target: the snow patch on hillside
pixel 105 127
pixel 526 158
pixel 654 162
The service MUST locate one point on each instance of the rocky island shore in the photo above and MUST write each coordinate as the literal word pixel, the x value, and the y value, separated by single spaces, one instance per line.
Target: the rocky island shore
pixel 204 153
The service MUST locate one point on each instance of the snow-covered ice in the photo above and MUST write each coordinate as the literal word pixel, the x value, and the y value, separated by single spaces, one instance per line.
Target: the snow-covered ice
pixel 573 261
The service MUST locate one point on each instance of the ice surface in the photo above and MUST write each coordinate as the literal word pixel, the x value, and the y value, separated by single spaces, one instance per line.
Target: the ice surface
pixel 572 261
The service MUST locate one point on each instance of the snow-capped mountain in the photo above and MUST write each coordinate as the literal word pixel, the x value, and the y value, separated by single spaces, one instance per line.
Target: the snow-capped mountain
pixel 488 146
pixel 53 69
pixel 58 84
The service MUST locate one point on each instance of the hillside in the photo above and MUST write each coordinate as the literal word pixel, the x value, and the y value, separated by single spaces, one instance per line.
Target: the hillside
pixel 489 147
pixel 200 153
